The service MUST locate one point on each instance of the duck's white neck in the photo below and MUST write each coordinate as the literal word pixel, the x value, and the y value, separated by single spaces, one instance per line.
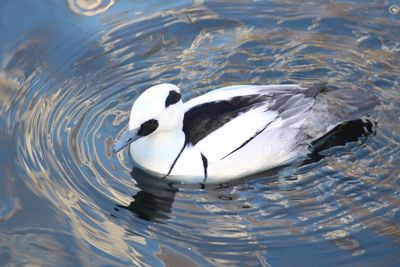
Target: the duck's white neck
pixel 157 152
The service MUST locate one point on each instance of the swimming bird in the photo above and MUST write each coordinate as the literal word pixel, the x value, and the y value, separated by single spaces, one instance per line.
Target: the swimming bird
pixel 233 131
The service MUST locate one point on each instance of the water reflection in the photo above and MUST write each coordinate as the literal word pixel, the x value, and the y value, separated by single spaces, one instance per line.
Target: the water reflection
pixel 37 249
pixel 154 200
pixel 89 7
pixel 394 10
pixel 66 94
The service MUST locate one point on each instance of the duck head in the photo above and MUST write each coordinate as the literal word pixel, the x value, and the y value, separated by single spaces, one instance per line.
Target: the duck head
pixel 157 110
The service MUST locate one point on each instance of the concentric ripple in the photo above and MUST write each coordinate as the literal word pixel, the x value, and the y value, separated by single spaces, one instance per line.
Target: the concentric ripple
pixel 89 7
pixel 63 108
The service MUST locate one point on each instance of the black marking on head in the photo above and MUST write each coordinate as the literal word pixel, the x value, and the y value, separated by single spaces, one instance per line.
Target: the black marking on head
pixel 203 119
pixel 172 98
pixel 205 166
pixel 148 127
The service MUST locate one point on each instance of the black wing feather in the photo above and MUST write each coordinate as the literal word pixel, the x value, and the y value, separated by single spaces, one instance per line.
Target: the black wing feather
pixel 203 119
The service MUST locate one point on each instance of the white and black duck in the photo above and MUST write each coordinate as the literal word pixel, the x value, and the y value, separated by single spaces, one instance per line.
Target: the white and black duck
pixel 233 131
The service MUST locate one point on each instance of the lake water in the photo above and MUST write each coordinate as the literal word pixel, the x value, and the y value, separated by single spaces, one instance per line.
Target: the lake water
pixel 69 72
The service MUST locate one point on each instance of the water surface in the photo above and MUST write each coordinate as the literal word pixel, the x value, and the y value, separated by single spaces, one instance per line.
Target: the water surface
pixel 69 72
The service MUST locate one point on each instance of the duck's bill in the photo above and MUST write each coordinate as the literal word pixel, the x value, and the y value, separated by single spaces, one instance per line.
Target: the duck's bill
pixel 128 137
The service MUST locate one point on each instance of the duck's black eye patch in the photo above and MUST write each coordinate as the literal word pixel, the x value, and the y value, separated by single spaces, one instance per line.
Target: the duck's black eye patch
pixel 148 127
pixel 172 98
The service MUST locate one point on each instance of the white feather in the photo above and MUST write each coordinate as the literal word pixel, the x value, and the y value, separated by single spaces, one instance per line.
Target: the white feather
pixel 233 134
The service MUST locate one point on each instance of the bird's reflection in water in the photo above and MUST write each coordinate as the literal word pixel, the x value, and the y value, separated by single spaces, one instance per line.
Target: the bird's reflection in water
pixel 154 201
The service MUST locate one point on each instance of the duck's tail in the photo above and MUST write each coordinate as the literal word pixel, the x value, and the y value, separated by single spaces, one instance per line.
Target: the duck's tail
pixel 335 107
pixel 350 131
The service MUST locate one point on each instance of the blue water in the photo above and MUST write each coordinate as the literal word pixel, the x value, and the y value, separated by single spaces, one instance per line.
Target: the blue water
pixel 69 72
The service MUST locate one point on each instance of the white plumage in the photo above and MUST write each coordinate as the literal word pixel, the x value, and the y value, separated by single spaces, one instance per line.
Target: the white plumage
pixel 233 131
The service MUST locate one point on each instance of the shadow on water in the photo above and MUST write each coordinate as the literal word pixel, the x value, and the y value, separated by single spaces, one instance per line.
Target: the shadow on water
pixel 154 200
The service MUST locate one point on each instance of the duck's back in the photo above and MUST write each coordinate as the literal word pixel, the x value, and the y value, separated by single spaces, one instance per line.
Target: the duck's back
pixel 240 130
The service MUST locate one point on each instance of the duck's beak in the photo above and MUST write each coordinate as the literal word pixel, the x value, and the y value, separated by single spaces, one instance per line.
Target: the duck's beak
pixel 128 137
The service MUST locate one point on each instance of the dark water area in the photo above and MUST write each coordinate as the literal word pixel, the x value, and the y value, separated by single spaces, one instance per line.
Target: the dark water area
pixel 69 72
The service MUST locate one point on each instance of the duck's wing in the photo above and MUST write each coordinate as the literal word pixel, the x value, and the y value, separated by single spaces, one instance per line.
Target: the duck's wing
pixel 226 119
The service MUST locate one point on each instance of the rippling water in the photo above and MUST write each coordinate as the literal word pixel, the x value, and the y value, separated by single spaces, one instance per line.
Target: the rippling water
pixel 69 72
